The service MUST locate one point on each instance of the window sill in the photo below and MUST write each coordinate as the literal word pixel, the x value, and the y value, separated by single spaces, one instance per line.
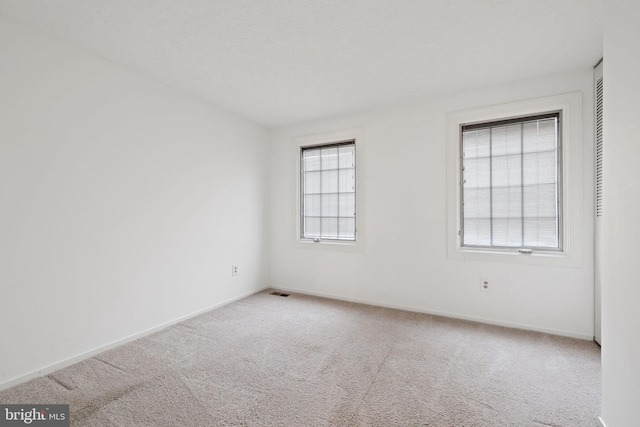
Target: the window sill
pixel 332 245
pixel 558 259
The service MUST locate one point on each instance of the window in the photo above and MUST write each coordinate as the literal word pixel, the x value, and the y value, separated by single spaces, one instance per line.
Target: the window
pixel 511 183
pixel 328 192
pixel 515 182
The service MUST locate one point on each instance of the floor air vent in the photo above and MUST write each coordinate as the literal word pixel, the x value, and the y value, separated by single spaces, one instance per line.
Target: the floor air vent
pixel 280 294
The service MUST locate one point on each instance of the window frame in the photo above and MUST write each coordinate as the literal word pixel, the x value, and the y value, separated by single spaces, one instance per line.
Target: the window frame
pixel 559 178
pixel 320 139
pixel 570 219
pixel 303 194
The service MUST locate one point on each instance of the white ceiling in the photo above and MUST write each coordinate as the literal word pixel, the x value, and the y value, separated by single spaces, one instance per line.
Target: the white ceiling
pixel 277 62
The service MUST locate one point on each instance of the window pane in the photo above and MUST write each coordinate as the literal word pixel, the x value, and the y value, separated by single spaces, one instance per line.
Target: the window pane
pixel 507 232
pixel 311 159
pixel 539 167
pixel 312 205
pixel 506 202
pixel 477 203
pixel 347 180
pixel 540 232
pixel 499 141
pixel 477 232
pixel 514 139
pixel 476 143
pixel 477 173
pixel 540 201
pixel 312 182
pixel 312 227
pixel 330 228
pixel 330 158
pixel 330 181
pixel 330 205
pixel 506 140
pixel 347 228
pixel 346 156
pixel 347 204
pixel 540 136
pixel 506 171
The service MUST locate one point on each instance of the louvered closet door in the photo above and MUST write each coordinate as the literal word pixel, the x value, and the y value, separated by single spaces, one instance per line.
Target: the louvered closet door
pixel 598 196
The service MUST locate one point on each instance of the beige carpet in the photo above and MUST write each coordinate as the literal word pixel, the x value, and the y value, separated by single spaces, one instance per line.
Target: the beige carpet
pixel 304 361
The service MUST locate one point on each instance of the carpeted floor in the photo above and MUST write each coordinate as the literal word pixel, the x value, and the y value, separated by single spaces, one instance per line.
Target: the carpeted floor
pixel 304 361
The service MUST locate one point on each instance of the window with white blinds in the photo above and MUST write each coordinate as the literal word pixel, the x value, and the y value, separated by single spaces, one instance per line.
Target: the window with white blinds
pixel 328 187
pixel 510 187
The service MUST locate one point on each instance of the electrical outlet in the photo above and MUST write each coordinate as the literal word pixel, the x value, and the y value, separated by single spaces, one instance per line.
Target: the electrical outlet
pixel 485 284
pixel 234 270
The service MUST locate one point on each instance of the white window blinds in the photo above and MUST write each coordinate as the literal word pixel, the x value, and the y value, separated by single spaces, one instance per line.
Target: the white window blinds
pixel 328 188
pixel 510 183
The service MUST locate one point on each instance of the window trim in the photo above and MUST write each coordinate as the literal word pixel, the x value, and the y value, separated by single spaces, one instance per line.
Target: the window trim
pixel 570 107
pixel 319 139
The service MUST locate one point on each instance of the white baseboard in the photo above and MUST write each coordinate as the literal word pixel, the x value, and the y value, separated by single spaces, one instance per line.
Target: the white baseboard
pixel 601 422
pixel 86 355
pixel 587 337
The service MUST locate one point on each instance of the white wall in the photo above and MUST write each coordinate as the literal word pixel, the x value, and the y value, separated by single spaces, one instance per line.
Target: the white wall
pixel 403 221
pixel 123 203
pixel 621 211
